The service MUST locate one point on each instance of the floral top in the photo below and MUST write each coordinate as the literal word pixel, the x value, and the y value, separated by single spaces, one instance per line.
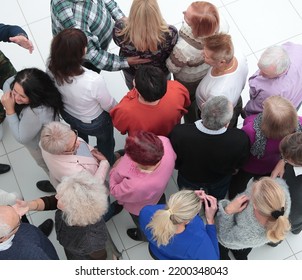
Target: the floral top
pixel 158 57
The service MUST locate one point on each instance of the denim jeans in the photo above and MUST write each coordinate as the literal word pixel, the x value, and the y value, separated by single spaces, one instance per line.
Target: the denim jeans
pixel 218 189
pixel 101 128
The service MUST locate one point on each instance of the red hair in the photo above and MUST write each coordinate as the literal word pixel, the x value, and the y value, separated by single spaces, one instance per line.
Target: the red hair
pixel 144 148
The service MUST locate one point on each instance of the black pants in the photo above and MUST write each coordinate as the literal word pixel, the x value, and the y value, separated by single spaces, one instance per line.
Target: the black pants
pixel 238 254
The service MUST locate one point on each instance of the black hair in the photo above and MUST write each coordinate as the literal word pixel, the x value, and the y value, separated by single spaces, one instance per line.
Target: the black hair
pixel 40 90
pixel 150 82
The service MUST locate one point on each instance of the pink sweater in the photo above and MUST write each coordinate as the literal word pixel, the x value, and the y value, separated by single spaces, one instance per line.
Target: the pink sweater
pixel 135 189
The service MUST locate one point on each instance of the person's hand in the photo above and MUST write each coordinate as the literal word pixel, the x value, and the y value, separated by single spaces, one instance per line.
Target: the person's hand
pixel 23 42
pixel 21 207
pixel 279 169
pixel 210 207
pixel 98 155
pixel 137 60
pixel 237 205
pixel 201 194
pixel 8 102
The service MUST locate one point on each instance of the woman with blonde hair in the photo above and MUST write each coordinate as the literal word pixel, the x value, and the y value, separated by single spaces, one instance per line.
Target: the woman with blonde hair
pixel 254 218
pixel 146 34
pixel 201 19
pixel 265 131
pixel 176 231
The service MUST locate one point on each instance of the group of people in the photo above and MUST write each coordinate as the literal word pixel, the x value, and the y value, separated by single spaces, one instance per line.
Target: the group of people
pixel 229 198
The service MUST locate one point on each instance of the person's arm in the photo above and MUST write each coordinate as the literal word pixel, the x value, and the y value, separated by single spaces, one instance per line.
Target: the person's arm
pixel 15 34
pixel 39 204
pixel 104 166
pixel 102 95
pixel 119 115
pixel 279 169
pixel 114 9
pixel 25 129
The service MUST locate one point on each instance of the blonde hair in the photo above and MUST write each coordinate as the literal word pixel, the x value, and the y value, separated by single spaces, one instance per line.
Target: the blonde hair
pixel 145 26
pixel 221 45
pixel 84 199
pixel 268 197
pixel 205 19
pixel 279 117
pixel 182 207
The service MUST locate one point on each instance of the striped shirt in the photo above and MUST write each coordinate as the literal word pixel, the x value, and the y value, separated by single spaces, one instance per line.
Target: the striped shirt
pixel 95 18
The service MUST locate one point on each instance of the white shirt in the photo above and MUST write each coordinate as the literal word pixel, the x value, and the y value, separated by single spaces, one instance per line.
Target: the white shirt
pixel 87 96
pixel 229 85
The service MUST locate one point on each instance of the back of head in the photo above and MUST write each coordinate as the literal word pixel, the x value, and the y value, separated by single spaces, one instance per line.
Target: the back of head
pixel 144 148
pixel 39 88
pixel 204 19
pixel 279 117
pixel 84 199
pixel 55 137
pixel 150 82
pixel 8 218
pixel 216 112
pixel 270 201
pixel 182 207
pixel 67 53
pixel 291 148
pixel 145 26
pixel 221 45
pixel 274 61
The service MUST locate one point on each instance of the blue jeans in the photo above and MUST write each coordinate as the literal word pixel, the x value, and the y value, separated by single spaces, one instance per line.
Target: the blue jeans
pixel 218 189
pixel 101 128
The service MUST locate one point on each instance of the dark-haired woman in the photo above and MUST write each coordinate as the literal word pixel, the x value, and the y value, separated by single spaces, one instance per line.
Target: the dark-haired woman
pixel 32 102
pixel 86 98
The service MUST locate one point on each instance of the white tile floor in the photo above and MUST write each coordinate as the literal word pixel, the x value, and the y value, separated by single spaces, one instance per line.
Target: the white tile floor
pixel 254 25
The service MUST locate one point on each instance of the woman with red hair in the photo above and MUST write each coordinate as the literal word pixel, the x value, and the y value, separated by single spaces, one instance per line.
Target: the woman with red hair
pixel 140 177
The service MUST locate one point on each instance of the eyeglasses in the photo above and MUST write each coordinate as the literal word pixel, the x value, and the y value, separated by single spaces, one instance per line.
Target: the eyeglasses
pixel 14 229
pixel 73 149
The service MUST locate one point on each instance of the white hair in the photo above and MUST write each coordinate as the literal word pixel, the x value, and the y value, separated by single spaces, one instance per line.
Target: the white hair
pixel 275 56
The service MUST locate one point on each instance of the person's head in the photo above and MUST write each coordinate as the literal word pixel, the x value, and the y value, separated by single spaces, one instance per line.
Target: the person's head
pixel 33 87
pixel 9 222
pixel 181 208
pixel 150 82
pixel 59 139
pixel 291 148
pixel 269 201
pixel 145 27
pixel 144 148
pixel 67 52
pixel 216 112
pixel 218 50
pixel 279 117
pixel 273 62
pixel 82 199
pixel 203 18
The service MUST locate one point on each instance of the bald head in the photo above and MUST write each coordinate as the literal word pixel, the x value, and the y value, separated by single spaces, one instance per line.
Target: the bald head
pixel 9 219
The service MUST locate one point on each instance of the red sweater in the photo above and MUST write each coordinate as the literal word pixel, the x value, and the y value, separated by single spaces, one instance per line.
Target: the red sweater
pixel 131 115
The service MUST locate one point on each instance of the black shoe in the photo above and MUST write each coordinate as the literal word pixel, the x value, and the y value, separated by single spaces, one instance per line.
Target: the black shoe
pixel 296 231
pixel 272 244
pixel 4 168
pixel 133 234
pixel 46 227
pixel 45 186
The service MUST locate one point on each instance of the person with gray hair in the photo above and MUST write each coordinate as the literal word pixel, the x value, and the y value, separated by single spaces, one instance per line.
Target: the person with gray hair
pixel 81 202
pixel 280 73
pixel 208 152
pixel 66 154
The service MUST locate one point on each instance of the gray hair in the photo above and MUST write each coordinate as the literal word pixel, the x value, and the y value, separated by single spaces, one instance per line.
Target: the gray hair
pixel 275 56
pixel 84 199
pixel 5 216
pixel 55 137
pixel 216 112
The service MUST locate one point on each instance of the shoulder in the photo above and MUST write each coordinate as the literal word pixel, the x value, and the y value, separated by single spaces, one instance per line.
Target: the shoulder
pixel 175 85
